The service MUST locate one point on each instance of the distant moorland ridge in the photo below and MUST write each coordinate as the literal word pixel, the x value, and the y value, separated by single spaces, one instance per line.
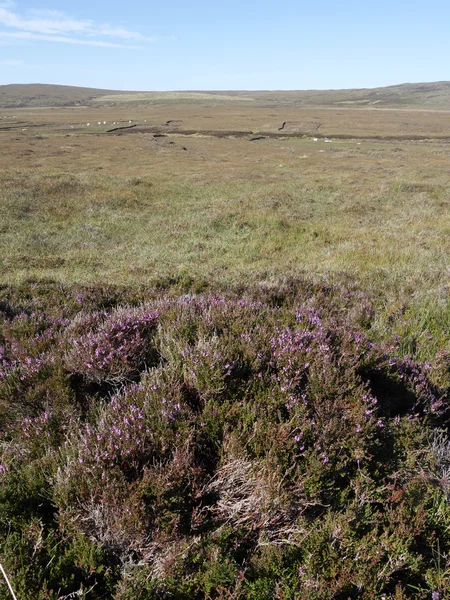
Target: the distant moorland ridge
pixel 432 96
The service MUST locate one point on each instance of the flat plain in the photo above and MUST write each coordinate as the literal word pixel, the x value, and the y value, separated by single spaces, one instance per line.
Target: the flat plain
pixel 227 191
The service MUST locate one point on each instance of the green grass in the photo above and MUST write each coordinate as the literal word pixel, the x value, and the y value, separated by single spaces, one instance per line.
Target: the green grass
pixel 56 225
pixel 337 217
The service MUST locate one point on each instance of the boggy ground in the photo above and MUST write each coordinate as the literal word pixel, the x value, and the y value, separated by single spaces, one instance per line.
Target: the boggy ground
pixel 268 321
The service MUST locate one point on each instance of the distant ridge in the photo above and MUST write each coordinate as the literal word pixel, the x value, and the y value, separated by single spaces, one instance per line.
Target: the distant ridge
pixel 22 95
pixel 431 96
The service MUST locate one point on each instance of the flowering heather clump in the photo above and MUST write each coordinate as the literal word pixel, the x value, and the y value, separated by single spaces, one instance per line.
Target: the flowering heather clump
pixel 251 445
pixel 112 347
pixel 205 368
pixel 133 427
pixel 27 343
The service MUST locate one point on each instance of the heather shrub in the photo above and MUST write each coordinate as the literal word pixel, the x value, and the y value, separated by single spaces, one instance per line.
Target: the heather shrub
pixel 32 378
pixel 134 427
pixel 240 445
pixel 112 347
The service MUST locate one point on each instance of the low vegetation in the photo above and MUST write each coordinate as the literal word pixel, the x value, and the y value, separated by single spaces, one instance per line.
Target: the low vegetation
pixel 231 381
pixel 251 444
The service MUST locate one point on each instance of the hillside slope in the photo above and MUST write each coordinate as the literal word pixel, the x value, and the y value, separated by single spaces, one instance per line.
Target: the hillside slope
pixel 40 95
pixel 408 95
pixel 433 96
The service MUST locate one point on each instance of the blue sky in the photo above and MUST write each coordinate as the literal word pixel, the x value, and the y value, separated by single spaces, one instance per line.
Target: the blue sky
pixel 199 45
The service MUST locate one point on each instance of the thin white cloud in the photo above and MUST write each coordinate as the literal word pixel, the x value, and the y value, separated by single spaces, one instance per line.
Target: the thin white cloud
pixel 27 35
pixel 39 25
pixel 56 26
pixel 120 32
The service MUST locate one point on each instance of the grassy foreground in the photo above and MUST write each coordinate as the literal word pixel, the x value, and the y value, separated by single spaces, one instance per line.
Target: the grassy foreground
pixel 224 361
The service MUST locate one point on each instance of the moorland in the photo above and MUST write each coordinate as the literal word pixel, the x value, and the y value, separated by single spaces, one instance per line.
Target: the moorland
pixel 225 343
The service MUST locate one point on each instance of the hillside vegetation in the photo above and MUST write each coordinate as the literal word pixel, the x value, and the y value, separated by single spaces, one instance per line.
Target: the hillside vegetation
pixel 40 95
pixel 408 95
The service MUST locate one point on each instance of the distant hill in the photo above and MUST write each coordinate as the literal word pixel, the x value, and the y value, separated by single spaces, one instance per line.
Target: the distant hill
pixel 408 95
pixel 19 95
pixel 432 96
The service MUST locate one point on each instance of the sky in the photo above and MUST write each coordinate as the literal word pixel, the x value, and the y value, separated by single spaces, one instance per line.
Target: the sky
pixel 230 45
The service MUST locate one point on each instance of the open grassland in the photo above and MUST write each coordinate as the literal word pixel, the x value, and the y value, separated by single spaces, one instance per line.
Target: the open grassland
pixel 224 352
pixel 166 97
pixel 80 205
pixel 206 114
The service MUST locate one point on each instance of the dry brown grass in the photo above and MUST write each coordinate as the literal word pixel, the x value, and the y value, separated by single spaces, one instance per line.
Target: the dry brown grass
pixel 233 116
